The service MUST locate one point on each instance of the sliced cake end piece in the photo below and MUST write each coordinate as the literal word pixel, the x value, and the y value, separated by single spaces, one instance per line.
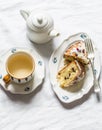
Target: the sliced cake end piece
pixel 77 51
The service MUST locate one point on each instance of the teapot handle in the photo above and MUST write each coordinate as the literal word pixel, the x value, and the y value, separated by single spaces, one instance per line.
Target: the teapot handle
pixel 25 14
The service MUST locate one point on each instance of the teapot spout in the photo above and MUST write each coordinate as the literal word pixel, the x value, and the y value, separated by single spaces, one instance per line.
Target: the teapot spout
pixel 25 14
pixel 54 33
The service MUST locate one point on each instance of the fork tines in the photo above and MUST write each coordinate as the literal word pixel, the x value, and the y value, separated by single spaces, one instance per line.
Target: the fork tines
pixel 89 46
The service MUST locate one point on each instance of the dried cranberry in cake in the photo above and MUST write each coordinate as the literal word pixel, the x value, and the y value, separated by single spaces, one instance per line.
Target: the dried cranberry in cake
pixel 77 51
pixel 83 50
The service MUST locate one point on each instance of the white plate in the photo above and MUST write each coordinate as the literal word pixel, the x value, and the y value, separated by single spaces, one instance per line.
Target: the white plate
pixel 31 85
pixel 56 61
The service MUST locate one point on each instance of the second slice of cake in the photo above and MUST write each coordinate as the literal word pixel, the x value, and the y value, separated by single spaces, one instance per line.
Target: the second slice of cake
pixel 71 74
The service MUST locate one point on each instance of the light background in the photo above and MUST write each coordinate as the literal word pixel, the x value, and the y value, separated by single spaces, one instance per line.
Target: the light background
pixel 42 110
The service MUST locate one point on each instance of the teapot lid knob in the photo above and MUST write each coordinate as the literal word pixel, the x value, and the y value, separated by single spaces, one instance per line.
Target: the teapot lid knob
pixel 40 20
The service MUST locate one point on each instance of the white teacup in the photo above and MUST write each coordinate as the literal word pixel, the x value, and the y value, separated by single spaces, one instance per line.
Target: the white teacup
pixel 20 68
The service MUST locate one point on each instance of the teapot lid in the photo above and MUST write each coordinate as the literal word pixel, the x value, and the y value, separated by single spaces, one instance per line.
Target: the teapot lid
pixel 40 22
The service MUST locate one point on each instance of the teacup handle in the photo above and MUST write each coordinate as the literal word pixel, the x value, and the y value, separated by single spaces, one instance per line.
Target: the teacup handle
pixel 7 78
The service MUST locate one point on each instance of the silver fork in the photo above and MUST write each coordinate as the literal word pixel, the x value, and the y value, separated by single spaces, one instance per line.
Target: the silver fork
pixel 91 56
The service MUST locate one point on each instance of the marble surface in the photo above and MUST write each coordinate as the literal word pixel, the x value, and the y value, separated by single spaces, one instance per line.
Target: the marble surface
pixel 42 110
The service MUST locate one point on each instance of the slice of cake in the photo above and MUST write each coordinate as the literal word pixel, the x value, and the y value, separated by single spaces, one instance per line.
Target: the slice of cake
pixel 71 74
pixel 77 51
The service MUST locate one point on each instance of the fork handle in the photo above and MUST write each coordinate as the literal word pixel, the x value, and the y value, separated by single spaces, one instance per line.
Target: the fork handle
pixel 96 82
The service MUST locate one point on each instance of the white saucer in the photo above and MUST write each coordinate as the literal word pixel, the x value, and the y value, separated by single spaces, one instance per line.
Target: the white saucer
pixel 31 85
pixel 56 61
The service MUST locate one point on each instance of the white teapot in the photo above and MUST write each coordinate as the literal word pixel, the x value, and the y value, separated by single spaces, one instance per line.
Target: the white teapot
pixel 40 26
